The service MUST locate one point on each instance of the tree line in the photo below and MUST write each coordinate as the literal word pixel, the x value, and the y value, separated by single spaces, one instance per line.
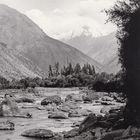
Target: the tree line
pixel 69 76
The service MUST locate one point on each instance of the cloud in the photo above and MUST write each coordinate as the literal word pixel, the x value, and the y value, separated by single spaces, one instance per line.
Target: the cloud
pixel 65 21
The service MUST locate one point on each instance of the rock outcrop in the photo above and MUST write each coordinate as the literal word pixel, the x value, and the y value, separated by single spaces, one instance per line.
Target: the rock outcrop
pixel 52 99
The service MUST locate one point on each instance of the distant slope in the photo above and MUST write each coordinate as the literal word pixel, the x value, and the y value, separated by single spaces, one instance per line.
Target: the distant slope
pixel 104 49
pixel 20 34
pixel 101 49
pixel 112 67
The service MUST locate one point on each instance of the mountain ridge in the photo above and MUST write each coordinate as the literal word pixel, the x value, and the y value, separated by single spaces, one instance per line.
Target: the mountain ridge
pixel 24 37
pixel 103 49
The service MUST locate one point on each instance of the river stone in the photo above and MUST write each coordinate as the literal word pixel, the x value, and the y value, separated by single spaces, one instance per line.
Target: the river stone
pixel 24 100
pixel 52 99
pixel 57 115
pixel 38 133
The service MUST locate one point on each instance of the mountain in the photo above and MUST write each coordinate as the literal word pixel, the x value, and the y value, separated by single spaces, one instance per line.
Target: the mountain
pixel 14 65
pixel 29 47
pixel 103 49
pixel 82 41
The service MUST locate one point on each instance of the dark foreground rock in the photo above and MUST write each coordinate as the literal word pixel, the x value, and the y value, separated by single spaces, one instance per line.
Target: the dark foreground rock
pixel 113 135
pixel 84 136
pixel 72 133
pixel 38 133
pixel 90 122
pixel 110 120
pixel 8 125
pixel 108 127
pixel 52 99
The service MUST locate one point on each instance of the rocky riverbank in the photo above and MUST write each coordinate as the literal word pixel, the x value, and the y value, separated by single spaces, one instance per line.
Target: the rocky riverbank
pixel 71 114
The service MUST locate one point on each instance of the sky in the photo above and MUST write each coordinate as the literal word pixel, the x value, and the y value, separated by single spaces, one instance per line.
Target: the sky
pixel 65 18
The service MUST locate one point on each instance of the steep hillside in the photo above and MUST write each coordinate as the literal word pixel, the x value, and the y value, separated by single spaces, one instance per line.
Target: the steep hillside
pixel 104 49
pixel 84 41
pixel 20 34
pixel 14 65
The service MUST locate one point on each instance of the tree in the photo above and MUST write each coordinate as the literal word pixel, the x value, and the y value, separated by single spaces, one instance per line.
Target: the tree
pixel 50 71
pixel 126 15
pixel 4 83
pixel 77 68
pixel 70 69
pixel 84 69
pixel 25 82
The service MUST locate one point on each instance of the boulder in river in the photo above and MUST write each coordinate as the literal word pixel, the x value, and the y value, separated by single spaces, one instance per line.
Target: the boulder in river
pixel 72 133
pixel 9 108
pixel 38 133
pixel 52 99
pixel 24 100
pixel 57 115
